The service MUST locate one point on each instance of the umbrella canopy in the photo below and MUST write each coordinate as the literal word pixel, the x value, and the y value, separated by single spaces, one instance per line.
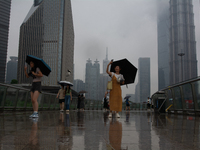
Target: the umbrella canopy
pixel 127 70
pixel 83 92
pixel 65 83
pixel 127 97
pixel 40 63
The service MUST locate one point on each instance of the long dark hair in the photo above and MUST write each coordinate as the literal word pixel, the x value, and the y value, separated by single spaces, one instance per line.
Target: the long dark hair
pixel 67 90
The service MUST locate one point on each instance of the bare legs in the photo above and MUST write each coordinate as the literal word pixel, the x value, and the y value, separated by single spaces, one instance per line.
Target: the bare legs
pixel 34 97
pixel 62 106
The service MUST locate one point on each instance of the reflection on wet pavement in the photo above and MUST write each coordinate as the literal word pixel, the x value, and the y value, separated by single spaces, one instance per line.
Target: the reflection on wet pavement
pixel 93 130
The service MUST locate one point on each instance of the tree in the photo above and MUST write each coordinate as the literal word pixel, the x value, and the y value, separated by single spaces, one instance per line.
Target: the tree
pixel 14 81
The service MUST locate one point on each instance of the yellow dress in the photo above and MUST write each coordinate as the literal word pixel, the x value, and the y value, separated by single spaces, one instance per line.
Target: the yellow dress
pixel 115 99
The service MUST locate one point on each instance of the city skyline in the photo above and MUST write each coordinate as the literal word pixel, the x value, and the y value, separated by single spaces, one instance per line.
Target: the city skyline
pixel 130 38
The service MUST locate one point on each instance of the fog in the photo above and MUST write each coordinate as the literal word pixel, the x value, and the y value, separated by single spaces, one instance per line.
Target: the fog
pixel 127 27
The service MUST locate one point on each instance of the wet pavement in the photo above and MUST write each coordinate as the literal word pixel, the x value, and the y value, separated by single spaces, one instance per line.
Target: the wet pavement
pixel 92 130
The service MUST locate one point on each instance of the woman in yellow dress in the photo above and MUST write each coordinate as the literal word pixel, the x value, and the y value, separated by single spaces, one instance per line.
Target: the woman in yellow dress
pixel 115 100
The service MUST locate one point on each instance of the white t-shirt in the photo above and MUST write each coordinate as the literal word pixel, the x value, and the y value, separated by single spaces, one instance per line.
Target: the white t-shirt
pixel 37 79
pixel 117 75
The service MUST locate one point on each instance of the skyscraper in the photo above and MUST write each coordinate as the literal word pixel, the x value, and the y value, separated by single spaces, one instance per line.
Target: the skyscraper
pixel 11 72
pixel 79 85
pixel 137 93
pixel 47 32
pixel 92 80
pixel 182 41
pixel 105 62
pixel 4 29
pixel 144 78
pixel 163 43
pixel 104 77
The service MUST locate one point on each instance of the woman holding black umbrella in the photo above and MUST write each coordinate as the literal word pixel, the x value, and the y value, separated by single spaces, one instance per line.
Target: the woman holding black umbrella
pixel 115 100
pixel 36 74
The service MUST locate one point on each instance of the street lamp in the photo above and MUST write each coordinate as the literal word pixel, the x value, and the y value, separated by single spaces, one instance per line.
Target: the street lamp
pixel 181 55
pixel 68 74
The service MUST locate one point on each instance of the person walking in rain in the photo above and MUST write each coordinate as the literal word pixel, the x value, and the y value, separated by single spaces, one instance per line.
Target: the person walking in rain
pixel 105 102
pixel 115 100
pixel 68 97
pixel 127 104
pixel 82 102
pixel 61 98
pixel 36 74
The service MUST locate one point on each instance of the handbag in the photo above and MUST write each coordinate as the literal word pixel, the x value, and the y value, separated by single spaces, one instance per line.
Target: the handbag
pixel 109 85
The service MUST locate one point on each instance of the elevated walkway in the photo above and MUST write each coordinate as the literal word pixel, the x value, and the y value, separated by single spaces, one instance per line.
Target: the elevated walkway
pixel 183 98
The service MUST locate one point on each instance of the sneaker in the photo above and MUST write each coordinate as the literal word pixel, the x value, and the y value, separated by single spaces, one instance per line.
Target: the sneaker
pixel 35 115
pixel 117 115
pixel 35 120
pixel 31 115
pixel 110 115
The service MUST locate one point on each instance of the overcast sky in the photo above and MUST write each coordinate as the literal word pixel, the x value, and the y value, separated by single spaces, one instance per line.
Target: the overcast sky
pixel 127 27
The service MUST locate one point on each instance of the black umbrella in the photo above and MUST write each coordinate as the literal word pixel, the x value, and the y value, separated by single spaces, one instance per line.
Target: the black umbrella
pixel 127 70
pixel 127 97
pixel 40 63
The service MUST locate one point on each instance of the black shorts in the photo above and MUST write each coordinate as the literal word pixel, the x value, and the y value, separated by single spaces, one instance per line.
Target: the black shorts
pixel 127 105
pixel 61 100
pixel 36 86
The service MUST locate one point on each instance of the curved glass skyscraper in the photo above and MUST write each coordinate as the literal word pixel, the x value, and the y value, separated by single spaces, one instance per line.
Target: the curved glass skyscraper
pixel 47 32
pixel 183 61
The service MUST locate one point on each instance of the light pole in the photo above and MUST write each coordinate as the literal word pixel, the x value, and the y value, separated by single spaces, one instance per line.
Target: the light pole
pixel 181 55
pixel 68 74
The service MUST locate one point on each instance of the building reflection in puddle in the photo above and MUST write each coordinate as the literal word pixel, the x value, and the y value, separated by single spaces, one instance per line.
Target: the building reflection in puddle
pixel 93 130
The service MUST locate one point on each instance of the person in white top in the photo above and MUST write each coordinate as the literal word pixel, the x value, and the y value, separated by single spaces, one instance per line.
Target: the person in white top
pixel 115 99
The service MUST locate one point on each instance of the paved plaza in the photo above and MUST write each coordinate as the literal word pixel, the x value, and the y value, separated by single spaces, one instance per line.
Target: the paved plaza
pixel 93 130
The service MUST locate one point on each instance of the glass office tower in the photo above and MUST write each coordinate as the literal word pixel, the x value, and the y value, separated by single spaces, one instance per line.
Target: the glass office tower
pixel 4 30
pixel 182 41
pixel 163 43
pixel 47 32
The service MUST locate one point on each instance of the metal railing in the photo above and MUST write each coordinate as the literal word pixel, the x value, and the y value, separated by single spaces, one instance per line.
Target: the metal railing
pixel 183 97
pixel 18 98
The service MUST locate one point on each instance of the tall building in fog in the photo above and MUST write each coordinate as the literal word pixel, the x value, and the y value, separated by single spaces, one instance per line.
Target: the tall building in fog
pixel 163 43
pixel 11 71
pixel 104 77
pixel 4 30
pixel 47 32
pixel 105 62
pixel 137 93
pixel 144 78
pixel 92 79
pixel 78 85
pixel 182 40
